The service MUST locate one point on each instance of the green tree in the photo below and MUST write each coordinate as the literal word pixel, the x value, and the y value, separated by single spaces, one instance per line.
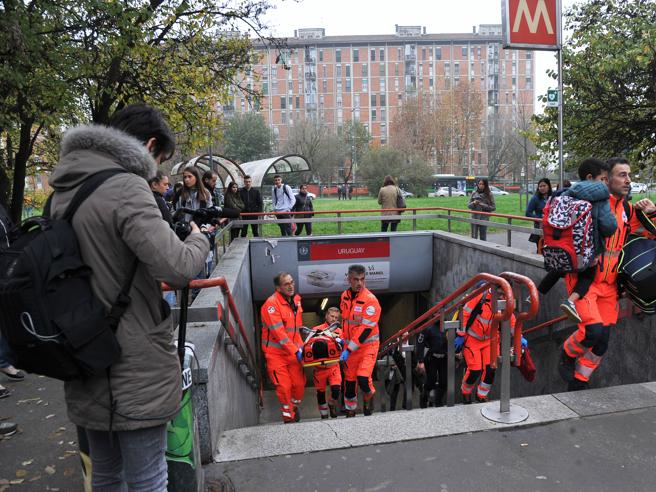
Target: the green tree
pixel 354 137
pixel 247 138
pixel 69 61
pixel 325 152
pixel 411 171
pixel 610 82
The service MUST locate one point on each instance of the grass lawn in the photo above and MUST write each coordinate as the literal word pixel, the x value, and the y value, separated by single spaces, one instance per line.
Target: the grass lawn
pixel 508 204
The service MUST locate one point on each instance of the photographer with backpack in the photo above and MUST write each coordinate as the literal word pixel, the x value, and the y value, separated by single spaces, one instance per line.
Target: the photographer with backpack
pixel 124 241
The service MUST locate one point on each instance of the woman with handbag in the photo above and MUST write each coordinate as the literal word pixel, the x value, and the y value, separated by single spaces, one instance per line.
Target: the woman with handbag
pixel 536 206
pixel 481 200
pixel 388 198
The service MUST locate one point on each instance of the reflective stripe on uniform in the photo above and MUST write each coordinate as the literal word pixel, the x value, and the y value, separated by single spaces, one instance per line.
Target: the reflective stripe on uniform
pixel 466 389
pixel 574 348
pixel 584 371
pixel 372 338
pixel 352 346
pixel 483 389
pixel 275 325
pixel 272 344
pixel 477 336
pixel 366 322
pixel 351 403
pixel 323 409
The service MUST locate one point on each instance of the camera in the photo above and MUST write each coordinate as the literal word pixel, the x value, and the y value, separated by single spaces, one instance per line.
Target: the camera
pixel 202 216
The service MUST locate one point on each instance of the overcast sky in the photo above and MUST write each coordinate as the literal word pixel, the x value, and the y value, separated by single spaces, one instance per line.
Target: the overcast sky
pixel 343 17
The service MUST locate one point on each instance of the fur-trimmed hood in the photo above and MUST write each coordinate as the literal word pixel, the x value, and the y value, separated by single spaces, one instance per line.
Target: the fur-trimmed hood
pixel 88 149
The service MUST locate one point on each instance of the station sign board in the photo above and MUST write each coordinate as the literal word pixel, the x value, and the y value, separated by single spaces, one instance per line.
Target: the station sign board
pixel 531 24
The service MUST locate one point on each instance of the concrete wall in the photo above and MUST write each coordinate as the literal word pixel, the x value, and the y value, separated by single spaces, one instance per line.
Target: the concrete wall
pixel 627 361
pixel 223 399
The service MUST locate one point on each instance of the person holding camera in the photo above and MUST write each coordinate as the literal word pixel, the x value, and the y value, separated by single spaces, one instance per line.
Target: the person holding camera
pixel 481 200
pixel 120 232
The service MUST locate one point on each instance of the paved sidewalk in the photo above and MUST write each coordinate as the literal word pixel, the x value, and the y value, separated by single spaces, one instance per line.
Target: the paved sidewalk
pixel 43 454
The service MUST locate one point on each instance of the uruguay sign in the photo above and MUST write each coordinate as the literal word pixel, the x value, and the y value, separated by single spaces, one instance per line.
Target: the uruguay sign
pixel 531 24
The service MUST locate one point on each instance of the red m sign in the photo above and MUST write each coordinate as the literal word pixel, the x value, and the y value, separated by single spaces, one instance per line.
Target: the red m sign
pixel 531 24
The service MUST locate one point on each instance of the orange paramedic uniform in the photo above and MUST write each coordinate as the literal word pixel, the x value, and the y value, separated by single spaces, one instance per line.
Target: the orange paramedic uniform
pixel 281 339
pixel 599 308
pixel 360 315
pixel 477 346
pixel 327 375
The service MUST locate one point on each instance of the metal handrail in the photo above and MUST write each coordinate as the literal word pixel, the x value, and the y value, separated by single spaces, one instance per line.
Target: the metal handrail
pixel 248 355
pixel 522 316
pixel 444 307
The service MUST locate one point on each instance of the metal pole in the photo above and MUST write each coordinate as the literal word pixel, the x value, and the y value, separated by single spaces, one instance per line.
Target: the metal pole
pixel 407 353
pixel 560 116
pixel 504 401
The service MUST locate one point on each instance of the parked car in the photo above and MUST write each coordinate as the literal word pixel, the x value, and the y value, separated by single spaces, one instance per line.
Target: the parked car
pixel 406 194
pixel 444 191
pixel 498 191
pixel 638 187
pixel 310 194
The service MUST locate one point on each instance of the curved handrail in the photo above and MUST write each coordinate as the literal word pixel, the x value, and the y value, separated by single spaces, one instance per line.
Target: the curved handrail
pixel 428 318
pixel 232 307
pixel 521 317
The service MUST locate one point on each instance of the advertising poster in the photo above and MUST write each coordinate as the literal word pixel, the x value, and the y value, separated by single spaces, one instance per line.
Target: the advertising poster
pixel 323 265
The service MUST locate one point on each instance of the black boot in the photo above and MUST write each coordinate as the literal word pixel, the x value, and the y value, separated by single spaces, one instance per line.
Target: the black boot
pixel 297 414
pixel 368 407
pixel 333 411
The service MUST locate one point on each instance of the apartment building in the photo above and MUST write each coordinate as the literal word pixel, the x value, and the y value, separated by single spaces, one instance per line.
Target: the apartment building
pixel 368 77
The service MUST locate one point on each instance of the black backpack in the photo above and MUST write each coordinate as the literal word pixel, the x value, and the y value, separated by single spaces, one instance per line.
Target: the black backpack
pixel 48 313
pixel 637 272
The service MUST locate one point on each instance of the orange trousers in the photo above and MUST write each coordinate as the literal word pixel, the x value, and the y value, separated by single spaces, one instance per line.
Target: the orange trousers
pixel 598 310
pixel 360 363
pixel 287 375
pixel 477 356
pixel 327 375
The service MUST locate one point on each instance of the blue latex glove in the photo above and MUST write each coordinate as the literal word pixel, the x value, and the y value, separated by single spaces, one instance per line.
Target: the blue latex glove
pixel 459 342
pixel 345 355
pixel 524 342
pixel 299 355
pixel 339 341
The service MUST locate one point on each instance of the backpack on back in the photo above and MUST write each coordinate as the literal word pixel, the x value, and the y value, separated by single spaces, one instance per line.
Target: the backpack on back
pixel 637 272
pixel 48 313
pixel 568 235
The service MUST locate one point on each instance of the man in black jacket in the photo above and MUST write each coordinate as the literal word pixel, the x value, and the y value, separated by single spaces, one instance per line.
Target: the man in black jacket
pixel 252 203
pixel 431 360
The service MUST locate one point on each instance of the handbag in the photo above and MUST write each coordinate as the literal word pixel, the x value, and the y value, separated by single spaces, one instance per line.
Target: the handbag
pixel 527 366
pixel 400 201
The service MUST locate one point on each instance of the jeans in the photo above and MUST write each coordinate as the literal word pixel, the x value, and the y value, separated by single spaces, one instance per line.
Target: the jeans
pixel 393 224
pixel 285 229
pixel 5 353
pixel 299 228
pixel 132 461
pixel 480 231
pixel 254 228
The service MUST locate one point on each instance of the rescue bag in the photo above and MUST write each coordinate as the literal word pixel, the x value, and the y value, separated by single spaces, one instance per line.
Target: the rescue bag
pixel 527 366
pixel 637 272
pixel 321 348
pixel 48 313
pixel 568 235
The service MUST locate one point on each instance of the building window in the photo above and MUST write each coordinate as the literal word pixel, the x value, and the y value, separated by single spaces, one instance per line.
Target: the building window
pixel 447 69
pixel 373 100
pixel 396 84
pixel 381 70
pixel 382 99
pixel 423 53
pixel 348 85
pixel 324 85
pixel 373 55
pixel 529 83
pixel 274 88
pixel 456 70
pixel 373 114
pixel 338 56
pixel 382 85
pixel 298 102
pixel 348 70
pixel 324 71
pixel 398 53
pixel 365 85
pixel 290 86
pixel 274 71
pixel 382 114
pixel 356 55
pixel 396 69
pixel 339 87
pixel 464 51
pixel 265 87
pixel 528 55
pixel 320 55
pixel 283 102
pixel 438 53
pixel 365 70
pixel 447 84
pixel 338 71
pixel 382 54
